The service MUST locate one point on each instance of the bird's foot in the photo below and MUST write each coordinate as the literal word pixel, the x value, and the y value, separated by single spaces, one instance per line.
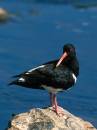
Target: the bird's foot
pixel 59 111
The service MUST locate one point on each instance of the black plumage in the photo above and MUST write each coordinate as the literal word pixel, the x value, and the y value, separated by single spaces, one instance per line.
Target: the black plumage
pixel 57 75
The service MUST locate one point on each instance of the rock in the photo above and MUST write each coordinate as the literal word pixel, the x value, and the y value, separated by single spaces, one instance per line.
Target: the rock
pixel 3 15
pixel 46 119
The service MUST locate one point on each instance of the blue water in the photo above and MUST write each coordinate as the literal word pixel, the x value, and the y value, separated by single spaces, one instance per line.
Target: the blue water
pixel 36 32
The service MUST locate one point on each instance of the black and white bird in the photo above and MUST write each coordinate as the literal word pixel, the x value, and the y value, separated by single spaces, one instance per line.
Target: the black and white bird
pixel 54 76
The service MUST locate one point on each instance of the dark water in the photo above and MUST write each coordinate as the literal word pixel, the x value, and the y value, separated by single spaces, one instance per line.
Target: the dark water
pixel 36 32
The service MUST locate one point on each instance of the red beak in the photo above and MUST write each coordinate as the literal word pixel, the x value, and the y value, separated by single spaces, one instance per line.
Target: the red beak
pixel 62 58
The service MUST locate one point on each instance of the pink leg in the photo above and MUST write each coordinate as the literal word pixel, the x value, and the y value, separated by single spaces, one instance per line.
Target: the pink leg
pixel 55 107
pixel 55 103
pixel 53 100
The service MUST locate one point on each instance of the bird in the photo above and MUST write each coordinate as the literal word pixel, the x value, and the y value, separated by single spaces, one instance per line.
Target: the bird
pixel 54 76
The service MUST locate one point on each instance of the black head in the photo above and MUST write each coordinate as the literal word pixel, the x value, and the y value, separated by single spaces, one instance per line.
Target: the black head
pixel 70 50
pixel 71 58
pixel 68 53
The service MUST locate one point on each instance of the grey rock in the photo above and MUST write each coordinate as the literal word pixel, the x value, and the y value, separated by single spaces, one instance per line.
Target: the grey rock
pixel 46 119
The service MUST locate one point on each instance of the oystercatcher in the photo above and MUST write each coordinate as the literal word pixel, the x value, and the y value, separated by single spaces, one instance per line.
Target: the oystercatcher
pixel 54 76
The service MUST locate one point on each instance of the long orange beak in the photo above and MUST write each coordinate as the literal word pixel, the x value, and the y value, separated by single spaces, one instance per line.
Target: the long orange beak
pixel 62 58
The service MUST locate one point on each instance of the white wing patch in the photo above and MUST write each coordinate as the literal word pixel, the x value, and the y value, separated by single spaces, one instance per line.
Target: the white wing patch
pixel 21 80
pixel 74 77
pixel 35 69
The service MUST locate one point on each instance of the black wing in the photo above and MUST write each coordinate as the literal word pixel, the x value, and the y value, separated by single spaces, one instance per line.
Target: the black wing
pixel 24 73
pixel 47 74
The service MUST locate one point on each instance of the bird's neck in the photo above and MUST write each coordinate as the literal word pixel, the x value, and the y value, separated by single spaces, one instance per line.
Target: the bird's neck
pixel 73 65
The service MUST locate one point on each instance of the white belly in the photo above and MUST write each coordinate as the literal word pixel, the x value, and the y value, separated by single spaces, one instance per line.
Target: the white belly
pixel 51 89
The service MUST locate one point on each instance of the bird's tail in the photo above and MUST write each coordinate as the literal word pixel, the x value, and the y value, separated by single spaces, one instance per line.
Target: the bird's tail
pixel 15 82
